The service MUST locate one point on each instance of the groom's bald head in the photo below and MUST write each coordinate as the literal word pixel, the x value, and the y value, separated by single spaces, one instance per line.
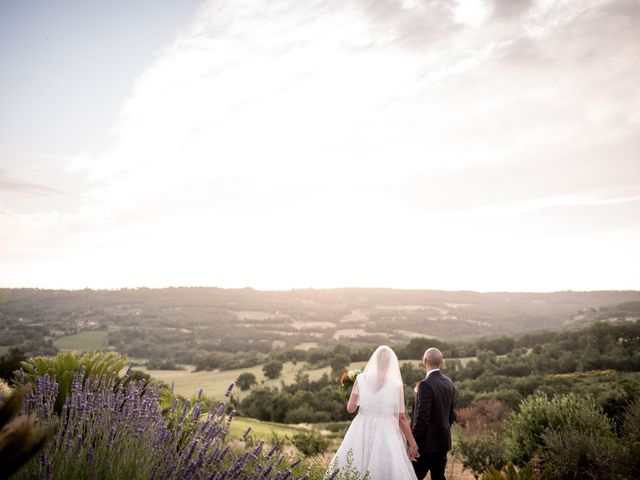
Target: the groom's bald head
pixel 432 358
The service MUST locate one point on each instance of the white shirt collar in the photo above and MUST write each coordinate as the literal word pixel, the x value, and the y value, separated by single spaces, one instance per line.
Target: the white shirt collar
pixel 431 371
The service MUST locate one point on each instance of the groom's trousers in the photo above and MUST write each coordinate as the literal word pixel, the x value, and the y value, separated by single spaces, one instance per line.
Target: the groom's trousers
pixel 434 462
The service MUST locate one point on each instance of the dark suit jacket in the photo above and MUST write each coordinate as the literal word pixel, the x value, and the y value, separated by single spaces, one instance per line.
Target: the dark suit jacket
pixel 433 413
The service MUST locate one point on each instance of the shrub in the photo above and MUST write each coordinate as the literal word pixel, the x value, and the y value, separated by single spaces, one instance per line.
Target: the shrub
pixel 157 364
pixel 246 380
pixel 259 403
pixel 310 442
pixel 306 414
pixel 482 413
pixel 631 438
pixel 339 363
pixel 482 452
pixel 509 397
pixel 413 373
pixel 631 425
pixel 540 415
pixel 272 369
pixel 510 472
pixel 10 362
pixel 574 455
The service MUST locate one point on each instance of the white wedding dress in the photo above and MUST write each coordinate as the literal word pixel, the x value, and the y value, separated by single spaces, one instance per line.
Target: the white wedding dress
pixel 374 437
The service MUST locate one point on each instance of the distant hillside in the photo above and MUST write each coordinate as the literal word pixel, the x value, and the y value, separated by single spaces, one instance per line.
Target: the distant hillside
pixel 138 321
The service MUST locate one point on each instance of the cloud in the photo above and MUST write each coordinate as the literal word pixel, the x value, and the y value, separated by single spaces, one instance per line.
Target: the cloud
pixel 509 9
pixel 289 143
pixel 8 184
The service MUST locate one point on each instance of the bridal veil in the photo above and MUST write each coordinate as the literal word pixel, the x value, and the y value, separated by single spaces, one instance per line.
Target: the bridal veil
pixel 379 386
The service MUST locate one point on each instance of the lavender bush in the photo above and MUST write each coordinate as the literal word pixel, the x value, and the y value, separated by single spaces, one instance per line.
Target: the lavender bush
pixel 108 430
pixel 65 365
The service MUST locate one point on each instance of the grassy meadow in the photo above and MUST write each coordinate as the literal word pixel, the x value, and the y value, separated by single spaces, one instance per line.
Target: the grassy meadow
pixel 262 430
pixel 214 383
pixel 83 341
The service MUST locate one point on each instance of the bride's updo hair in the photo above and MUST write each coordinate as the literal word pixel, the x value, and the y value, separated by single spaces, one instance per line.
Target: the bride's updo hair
pixel 380 384
pixel 384 356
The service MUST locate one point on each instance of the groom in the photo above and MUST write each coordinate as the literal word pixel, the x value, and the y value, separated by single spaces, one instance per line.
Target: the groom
pixel 432 418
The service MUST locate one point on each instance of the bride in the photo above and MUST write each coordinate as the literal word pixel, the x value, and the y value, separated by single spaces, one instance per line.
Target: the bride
pixel 379 434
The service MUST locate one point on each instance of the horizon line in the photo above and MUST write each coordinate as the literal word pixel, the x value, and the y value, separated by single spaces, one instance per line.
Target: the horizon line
pixel 168 287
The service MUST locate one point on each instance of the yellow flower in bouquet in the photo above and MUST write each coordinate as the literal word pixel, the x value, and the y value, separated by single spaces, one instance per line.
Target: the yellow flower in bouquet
pixel 347 379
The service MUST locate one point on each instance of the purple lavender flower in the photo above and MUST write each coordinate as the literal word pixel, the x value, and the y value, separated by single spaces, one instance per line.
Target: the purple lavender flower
pixel 229 388
pixel 273 449
pixel 105 426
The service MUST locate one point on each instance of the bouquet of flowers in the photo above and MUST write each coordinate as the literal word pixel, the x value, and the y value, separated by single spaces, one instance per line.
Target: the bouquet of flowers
pixel 347 379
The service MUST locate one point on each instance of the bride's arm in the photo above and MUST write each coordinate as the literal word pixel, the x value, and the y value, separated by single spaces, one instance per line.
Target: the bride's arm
pixel 405 428
pixel 352 404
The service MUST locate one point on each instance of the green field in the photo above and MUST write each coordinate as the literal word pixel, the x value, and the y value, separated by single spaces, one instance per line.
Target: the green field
pixel 261 430
pixel 215 383
pixel 84 341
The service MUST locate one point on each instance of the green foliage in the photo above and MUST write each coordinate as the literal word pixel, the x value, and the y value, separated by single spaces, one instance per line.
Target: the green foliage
pixel 157 364
pixel 224 360
pixel 245 381
pixel 631 427
pixel 260 404
pixel 10 362
pixel 65 364
pixel 347 471
pixel 311 442
pixel 508 396
pixel 483 451
pixel 174 407
pixel 314 468
pixel 615 398
pixel 631 438
pixel 412 373
pixel 574 455
pixel 510 472
pixel 302 402
pixel 272 369
pixel 417 346
pixel 306 414
pixel 20 437
pixel 140 377
pixel 339 363
pixel 539 415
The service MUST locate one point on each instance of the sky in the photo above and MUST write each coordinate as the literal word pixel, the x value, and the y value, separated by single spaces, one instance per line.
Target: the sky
pixel 489 145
